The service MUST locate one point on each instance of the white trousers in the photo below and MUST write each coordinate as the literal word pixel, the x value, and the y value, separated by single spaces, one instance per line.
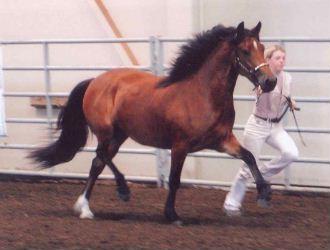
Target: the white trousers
pixel 256 133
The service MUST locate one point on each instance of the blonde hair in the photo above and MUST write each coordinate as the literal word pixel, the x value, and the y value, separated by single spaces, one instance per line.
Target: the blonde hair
pixel 270 51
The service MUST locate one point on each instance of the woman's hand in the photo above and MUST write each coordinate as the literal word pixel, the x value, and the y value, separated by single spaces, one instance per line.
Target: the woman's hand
pixel 293 105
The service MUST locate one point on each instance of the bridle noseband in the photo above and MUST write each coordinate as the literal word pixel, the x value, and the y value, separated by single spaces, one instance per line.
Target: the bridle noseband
pixel 252 72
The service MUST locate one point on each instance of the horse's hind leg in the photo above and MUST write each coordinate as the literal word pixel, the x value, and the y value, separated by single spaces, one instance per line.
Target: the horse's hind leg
pixel 82 204
pixel 106 152
pixel 122 188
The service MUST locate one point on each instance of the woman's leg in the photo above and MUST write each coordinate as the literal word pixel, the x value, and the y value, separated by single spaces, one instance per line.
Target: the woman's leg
pixel 280 139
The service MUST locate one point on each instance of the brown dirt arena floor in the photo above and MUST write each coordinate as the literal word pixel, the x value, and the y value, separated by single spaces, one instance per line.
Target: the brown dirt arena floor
pixel 38 215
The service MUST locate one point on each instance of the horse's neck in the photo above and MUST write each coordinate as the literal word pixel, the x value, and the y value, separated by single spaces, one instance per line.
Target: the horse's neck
pixel 219 75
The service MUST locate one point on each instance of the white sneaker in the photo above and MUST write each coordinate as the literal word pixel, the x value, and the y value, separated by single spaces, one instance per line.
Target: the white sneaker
pixel 232 212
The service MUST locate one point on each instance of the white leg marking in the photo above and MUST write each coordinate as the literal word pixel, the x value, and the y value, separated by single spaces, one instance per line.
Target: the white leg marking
pixel 82 207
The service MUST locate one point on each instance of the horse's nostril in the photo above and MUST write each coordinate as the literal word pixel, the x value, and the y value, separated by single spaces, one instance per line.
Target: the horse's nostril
pixel 271 83
pixel 268 83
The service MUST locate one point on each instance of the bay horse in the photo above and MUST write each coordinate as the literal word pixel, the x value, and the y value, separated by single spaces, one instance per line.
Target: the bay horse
pixel 189 110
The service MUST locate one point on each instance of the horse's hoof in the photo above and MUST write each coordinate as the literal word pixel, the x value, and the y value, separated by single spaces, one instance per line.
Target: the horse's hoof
pixel 264 192
pixel 124 197
pixel 123 193
pixel 171 216
pixel 81 207
pixel 264 203
pixel 232 212
pixel 174 220
pixel 177 223
pixel 86 215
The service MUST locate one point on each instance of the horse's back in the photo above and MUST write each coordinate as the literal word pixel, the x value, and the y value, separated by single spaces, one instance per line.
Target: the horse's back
pixel 116 77
pixel 120 96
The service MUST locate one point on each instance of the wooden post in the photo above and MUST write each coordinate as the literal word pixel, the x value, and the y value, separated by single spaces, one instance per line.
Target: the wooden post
pixel 116 31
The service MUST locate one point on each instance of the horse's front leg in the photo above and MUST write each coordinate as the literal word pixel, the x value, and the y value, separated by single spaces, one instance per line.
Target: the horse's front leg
pixel 233 147
pixel 178 155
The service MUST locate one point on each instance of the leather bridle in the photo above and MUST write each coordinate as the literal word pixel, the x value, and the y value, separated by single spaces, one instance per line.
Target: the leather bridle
pixel 250 71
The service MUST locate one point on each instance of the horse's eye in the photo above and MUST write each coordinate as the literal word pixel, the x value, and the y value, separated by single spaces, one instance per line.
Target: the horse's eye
pixel 245 52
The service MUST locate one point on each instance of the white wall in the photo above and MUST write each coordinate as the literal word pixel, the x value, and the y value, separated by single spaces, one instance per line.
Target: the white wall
pixel 80 19
pixel 75 19
pixel 293 18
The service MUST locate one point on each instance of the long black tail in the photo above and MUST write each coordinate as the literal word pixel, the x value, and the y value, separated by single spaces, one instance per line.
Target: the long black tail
pixel 74 131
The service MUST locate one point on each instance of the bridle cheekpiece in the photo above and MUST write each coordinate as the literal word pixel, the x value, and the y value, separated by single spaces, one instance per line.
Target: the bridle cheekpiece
pixel 252 71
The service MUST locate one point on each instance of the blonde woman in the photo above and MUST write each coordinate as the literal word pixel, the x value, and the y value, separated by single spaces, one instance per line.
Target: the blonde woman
pixel 265 126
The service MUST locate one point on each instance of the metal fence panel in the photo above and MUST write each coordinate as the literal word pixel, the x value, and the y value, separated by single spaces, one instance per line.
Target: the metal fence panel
pixel 157 67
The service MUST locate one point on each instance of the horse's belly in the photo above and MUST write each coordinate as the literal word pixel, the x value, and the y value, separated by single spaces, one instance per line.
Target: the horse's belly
pixel 146 130
pixel 149 138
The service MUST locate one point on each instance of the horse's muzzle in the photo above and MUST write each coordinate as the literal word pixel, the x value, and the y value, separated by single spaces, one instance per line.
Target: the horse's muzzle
pixel 267 83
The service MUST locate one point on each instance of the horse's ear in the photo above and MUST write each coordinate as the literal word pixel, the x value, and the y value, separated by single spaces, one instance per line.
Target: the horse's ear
pixel 239 33
pixel 256 30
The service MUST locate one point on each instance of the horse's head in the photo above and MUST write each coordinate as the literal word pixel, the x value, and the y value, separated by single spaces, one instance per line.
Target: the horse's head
pixel 249 57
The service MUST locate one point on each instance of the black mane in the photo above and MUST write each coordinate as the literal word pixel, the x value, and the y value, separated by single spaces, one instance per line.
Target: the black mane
pixel 193 54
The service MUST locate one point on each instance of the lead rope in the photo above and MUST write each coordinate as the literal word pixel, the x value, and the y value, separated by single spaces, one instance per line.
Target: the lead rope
pixel 295 119
pixel 292 109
